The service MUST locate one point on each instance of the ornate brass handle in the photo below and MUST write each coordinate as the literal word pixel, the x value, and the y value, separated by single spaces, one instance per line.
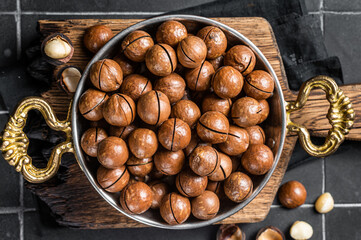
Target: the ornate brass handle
pixel 340 115
pixel 15 143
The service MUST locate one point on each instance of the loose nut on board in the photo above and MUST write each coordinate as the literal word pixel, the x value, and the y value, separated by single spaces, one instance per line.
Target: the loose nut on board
pixel 67 78
pixel 57 49
pixel 301 230
pixel 324 203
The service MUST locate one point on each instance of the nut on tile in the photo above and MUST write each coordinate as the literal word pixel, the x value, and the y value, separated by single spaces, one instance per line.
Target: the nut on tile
pixel 301 230
pixel 270 233
pixel 230 232
pixel 324 203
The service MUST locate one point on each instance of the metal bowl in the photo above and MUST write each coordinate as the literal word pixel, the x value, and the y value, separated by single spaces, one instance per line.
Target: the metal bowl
pixel 275 125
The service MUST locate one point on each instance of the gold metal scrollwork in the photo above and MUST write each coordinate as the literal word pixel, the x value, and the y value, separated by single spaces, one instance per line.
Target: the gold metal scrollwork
pixel 340 115
pixel 15 143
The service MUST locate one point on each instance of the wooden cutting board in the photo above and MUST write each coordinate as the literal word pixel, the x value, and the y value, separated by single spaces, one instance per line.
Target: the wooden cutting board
pixel 73 200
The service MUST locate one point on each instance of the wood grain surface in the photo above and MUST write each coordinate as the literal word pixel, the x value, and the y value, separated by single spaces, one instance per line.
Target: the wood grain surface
pixel 73 200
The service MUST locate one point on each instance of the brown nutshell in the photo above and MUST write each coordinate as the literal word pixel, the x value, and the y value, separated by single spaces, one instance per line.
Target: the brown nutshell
pixel 190 184
pixel 191 52
pixel 241 58
pixel 213 127
pixel 106 75
pixel 292 194
pixel 175 209
pixel 187 111
pixel 217 62
pixel 90 140
pixel 174 134
pixel 238 187
pixel 112 152
pixel 136 198
pixel 96 37
pixel 161 59
pixel 136 44
pixel 91 104
pixel 227 82
pixel 159 189
pixel 215 40
pixel 256 135
pixel 143 143
pixel 153 107
pixel 259 85
pixel 205 206
pixel 168 162
pixel 204 160
pixel 224 170
pixel 245 112
pixel 212 102
pixel 199 78
pixel 173 86
pixel 171 33
pixel 237 141
pixel 258 159
pixel 264 110
pixel 194 143
pixel 113 180
pixel 122 132
pixel 128 67
pixel 135 85
pixel 140 167
pixel 119 110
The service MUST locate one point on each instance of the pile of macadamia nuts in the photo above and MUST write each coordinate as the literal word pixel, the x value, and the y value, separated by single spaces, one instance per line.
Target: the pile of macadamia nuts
pixel 176 121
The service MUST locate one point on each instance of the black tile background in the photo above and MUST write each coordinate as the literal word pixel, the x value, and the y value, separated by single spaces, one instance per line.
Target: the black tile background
pixel 342 31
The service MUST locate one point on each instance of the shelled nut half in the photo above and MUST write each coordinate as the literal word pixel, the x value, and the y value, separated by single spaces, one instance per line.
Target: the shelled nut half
pixel 67 77
pixel 324 203
pixel 57 49
pixel 301 230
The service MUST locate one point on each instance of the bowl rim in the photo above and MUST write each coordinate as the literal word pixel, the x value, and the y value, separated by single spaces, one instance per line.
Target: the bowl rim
pixel 99 55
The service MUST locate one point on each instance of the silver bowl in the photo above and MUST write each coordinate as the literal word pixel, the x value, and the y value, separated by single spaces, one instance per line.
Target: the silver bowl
pixel 275 126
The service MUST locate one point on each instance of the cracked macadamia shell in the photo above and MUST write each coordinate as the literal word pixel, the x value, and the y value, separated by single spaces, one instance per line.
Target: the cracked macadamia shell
pixel 175 209
pixel 241 58
pixel 215 40
pixel 213 127
pixel 174 134
pixel 112 152
pixel 153 107
pixel 136 44
pixel 171 33
pixel 205 206
pixel 90 140
pixel 161 59
pixel 113 180
pixel 119 110
pixel 238 187
pixel 136 198
pixel 106 75
pixel 191 52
